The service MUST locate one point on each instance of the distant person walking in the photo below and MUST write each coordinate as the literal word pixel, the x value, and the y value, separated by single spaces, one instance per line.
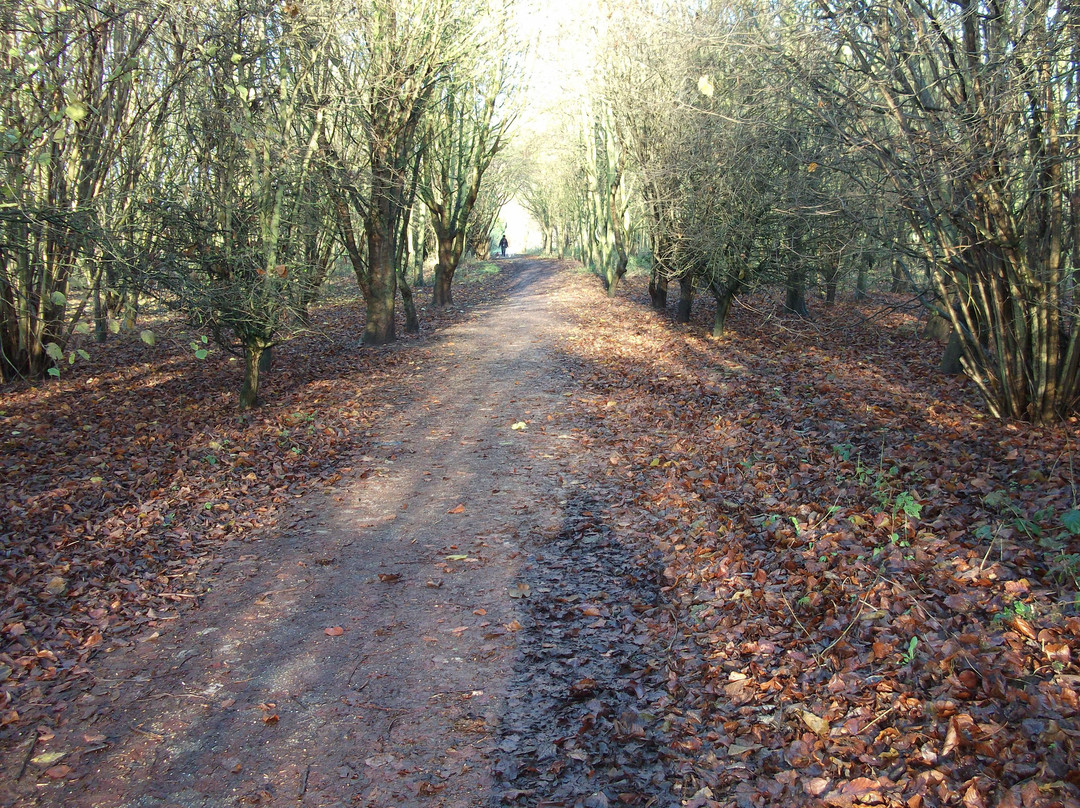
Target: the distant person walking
pixel 503 244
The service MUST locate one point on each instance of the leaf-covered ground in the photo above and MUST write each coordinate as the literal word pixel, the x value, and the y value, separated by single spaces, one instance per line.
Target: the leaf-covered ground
pixel 800 566
pixel 868 589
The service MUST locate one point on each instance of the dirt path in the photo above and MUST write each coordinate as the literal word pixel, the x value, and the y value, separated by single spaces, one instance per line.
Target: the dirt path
pixel 413 560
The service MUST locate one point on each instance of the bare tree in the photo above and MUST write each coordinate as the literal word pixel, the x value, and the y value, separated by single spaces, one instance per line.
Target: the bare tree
pixel 970 110
pixel 465 128
pixel 80 84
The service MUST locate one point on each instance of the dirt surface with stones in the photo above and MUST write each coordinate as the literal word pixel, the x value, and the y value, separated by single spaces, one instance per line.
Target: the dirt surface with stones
pixel 388 644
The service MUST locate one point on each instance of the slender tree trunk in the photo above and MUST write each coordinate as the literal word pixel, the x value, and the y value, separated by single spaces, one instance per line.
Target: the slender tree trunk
pixel 686 299
pixel 897 271
pixel 412 321
pixel 449 256
pixel 658 288
pixel 249 393
pixel 382 277
pixel 795 298
pixel 860 283
pixel 101 320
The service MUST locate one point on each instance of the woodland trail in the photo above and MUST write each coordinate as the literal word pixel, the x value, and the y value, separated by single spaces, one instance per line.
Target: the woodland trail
pixel 362 653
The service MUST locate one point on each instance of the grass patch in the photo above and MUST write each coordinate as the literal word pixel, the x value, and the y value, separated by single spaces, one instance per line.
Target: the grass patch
pixel 474 271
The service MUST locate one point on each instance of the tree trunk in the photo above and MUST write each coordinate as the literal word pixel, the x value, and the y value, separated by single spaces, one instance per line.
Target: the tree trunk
pixel 897 282
pixel 830 289
pixel 614 276
pixel 382 279
pixel 449 255
pixel 249 393
pixel 412 322
pixel 658 286
pixel 795 299
pixel 723 308
pixel 101 320
pixel 686 299
pixel 266 360
pixel 442 292
pixel 950 360
pixel 860 283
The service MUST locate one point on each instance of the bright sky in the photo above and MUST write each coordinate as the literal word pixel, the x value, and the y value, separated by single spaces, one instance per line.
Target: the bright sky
pixel 560 34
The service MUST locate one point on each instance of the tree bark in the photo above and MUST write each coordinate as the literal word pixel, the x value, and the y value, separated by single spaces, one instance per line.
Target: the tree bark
pixel 449 256
pixel 658 289
pixel 686 299
pixel 249 393
pixel 795 298
pixel 860 283
pixel 723 308
pixel 266 361
pixel 382 278
pixel 412 321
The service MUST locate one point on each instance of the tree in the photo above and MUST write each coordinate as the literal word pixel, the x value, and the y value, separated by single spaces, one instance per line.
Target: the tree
pixel 248 229
pixel 968 108
pixel 79 88
pixel 501 183
pixel 392 59
pixel 465 128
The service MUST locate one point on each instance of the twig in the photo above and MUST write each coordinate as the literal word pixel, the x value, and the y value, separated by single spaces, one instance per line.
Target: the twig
pixel 185 660
pixel 854 620
pixel 349 681
pixel 809 636
pixel 26 757
pixel 877 718
pixel 134 728
pixel 303 783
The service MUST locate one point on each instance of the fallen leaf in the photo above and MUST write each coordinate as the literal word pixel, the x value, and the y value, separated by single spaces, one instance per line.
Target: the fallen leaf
pixel 583 687
pixel 816 723
pixel 58 772
pixel 518 591
pixel 334 631
pixel 519 426
pixel 457 509
pixel 389 577
pixel 47 758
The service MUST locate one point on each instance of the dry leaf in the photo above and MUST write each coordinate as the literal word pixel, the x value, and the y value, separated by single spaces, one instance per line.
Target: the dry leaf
pixel 518 591
pixel 334 631
pixel 816 723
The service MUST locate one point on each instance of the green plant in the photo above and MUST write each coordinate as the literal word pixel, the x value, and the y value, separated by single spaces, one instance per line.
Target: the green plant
pixel 843 450
pixel 1018 608
pixel 909 655
pixel 201 347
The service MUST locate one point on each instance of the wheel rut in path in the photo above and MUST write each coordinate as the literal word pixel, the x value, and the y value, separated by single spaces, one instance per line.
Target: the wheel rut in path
pixel 412 562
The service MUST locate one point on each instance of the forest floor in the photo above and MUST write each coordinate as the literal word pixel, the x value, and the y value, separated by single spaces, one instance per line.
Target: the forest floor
pixel 556 551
